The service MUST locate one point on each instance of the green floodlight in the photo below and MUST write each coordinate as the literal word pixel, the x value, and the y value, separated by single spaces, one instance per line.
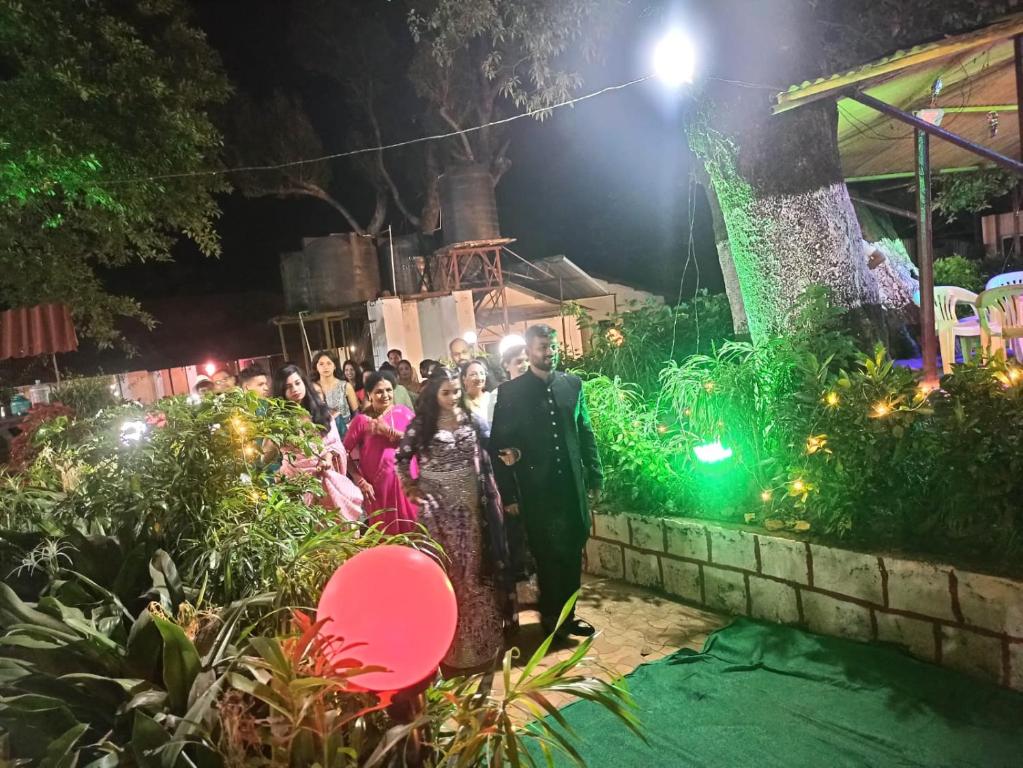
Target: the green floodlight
pixel 712 453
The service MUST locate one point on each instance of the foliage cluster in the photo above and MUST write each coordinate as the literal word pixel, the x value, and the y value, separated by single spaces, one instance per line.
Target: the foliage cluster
pixel 635 343
pixel 112 656
pixel 95 94
pixel 969 193
pixel 824 439
pixel 958 271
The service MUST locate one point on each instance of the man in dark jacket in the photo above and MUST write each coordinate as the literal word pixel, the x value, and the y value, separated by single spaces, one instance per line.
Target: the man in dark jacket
pixel 541 426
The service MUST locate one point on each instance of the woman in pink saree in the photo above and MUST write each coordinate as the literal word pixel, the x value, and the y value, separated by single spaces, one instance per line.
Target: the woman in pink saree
pixel 372 439
pixel 330 465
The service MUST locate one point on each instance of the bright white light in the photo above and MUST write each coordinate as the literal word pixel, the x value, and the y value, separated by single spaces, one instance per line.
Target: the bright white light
pixel 712 453
pixel 132 431
pixel 211 369
pixel 675 59
pixel 470 337
pixel 514 340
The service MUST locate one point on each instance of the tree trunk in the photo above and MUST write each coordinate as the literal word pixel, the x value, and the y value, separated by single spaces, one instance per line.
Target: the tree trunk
pixel 778 178
pixel 893 267
pixel 740 325
pixel 789 218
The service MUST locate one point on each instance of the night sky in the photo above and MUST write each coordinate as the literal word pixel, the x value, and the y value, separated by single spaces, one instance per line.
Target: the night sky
pixel 606 182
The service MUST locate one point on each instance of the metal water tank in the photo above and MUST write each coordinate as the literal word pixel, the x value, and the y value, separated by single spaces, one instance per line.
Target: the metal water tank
pixel 295 280
pixel 468 204
pixel 409 260
pixel 342 270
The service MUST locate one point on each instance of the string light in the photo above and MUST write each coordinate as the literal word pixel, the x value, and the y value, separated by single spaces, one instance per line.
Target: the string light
pixel 881 410
pixel 766 496
pixel 661 428
pixel 832 399
pixel 708 386
pixel 815 443
pixel 798 486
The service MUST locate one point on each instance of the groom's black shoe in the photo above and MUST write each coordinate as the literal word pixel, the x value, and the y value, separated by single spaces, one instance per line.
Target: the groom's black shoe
pixel 578 628
pixel 571 628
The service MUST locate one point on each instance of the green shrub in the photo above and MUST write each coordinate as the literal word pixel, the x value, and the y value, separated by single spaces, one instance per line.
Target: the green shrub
pixel 85 396
pixel 636 343
pixel 827 440
pixel 960 272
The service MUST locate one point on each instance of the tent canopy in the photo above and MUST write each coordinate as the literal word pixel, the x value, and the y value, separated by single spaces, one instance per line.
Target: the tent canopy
pixel 977 77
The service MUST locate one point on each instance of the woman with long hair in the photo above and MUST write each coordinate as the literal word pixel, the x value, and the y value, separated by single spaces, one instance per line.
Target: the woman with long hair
pixel 339 394
pixel 330 465
pixel 351 373
pixel 460 507
pixel 374 435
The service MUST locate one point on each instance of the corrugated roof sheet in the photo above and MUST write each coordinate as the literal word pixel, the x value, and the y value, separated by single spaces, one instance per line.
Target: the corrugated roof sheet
pixel 822 87
pixel 977 73
pixel 40 330
pixel 558 278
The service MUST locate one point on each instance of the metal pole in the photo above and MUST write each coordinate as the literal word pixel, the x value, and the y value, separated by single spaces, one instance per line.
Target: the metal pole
pixel 924 246
pixel 394 275
pixel 284 346
pixel 56 370
pixel 1013 166
pixel 893 209
pixel 1017 47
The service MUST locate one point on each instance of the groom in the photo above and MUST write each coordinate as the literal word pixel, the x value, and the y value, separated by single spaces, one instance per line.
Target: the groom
pixel 541 426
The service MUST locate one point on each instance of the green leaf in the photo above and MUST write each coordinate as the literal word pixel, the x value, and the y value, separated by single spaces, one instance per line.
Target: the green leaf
pixel 166 581
pixel 147 736
pixel 61 752
pixel 180 663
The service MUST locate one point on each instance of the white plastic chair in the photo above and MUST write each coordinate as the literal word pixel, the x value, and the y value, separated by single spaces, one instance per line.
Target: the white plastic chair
pixel 1001 319
pixel 949 326
pixel 1008 278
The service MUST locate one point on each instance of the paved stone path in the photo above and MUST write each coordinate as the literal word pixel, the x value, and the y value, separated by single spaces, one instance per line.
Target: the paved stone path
pixel 634 626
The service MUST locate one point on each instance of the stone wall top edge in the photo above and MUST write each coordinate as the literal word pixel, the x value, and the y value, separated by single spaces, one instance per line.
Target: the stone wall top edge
pixel 888 556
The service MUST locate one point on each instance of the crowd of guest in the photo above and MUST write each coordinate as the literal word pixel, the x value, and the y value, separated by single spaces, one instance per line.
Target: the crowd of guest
pixel 493 458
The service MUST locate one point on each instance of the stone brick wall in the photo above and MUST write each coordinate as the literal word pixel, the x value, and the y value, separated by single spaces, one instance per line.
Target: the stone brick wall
pixel 964 620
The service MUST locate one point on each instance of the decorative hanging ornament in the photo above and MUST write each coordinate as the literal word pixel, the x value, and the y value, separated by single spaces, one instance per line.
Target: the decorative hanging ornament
pixel 992 123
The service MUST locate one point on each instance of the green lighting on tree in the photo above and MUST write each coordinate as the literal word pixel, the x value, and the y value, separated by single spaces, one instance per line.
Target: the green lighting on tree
pixel 712 453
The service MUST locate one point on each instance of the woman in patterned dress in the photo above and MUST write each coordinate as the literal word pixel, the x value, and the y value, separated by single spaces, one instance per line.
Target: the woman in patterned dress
pixel 460 507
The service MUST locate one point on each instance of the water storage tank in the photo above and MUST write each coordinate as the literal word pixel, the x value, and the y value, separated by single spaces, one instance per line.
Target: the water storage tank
pixel 409 262
pixel 295 279
pixel 331 272
pixel 468 204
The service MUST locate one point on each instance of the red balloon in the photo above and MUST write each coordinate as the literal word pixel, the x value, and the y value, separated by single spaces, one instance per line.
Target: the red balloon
pixel 392 607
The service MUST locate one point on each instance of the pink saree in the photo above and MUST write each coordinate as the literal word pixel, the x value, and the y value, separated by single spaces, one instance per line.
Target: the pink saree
pixel 391 509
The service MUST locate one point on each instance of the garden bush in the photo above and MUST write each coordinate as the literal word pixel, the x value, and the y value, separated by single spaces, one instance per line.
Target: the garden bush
pixel 824 439
pixel 958 271
pixel 634 344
